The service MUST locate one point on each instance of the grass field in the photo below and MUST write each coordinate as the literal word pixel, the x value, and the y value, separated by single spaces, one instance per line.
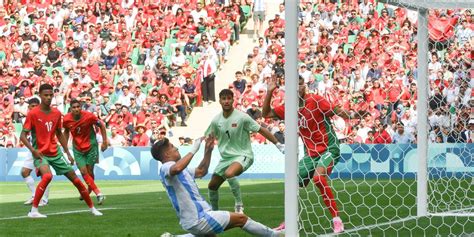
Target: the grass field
pixel 141 208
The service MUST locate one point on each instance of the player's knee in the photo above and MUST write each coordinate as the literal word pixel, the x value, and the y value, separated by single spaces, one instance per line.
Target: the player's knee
pixel 241 219
pixel 212 186
pixel 47 177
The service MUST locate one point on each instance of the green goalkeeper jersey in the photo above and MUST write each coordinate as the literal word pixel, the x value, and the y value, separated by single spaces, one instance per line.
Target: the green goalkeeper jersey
pixel 233 134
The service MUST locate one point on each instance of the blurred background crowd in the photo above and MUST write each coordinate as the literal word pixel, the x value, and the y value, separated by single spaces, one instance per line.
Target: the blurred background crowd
pixel 143 66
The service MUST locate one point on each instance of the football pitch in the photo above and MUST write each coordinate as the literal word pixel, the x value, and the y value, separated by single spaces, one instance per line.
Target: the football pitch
pixel 142 208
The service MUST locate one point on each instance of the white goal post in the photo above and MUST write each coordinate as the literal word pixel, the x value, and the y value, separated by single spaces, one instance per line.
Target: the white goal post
pixel 291 101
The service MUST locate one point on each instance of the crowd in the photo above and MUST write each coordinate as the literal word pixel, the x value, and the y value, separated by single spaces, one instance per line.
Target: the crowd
pixel 137 65
pixel 141 66
pixel 362 56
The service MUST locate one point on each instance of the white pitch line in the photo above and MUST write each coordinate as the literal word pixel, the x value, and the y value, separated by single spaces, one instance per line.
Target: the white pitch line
pixel 451 213
pixel 59 213
pixel 381 224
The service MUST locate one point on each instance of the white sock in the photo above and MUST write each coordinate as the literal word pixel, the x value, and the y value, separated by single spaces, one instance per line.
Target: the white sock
pixel 46 193
pixel 30 182
pixel 257 229
pixel 34 209
pixel 185 235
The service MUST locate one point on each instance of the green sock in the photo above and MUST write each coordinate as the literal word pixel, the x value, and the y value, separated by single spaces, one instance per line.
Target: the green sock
pixel 235 188
pixel 214 199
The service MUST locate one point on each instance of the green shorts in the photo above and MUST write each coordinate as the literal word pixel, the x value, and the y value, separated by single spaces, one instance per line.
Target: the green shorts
pixel 307 166
pixel 59 163
pixel 246 162
pixel 86 158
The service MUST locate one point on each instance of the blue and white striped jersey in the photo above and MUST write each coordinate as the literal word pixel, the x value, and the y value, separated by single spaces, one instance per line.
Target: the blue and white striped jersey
pixel 184 194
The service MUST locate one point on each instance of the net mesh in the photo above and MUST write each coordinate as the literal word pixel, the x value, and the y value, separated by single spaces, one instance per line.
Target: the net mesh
pixel 361 56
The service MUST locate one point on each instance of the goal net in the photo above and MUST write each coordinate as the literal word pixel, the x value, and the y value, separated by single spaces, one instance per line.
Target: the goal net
pixel 402 164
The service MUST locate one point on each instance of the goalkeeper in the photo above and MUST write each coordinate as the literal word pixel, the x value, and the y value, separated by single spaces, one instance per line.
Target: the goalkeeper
pixel 321 144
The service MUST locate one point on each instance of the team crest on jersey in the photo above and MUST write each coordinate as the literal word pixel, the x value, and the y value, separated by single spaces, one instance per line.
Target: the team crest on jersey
pixel 234 125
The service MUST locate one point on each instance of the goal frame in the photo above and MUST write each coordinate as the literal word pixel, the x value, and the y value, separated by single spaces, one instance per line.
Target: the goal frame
pixel 291 101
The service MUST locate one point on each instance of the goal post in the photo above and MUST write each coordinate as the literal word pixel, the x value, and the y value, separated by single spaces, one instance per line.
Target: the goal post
pixel 410 189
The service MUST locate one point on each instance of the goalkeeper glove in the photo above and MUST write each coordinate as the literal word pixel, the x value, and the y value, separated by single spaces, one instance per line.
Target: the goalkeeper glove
pixel 196 145
pixel 280 147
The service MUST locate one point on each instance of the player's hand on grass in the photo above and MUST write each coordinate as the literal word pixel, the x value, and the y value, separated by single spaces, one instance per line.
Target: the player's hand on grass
pixel 196 145
pixel 281 147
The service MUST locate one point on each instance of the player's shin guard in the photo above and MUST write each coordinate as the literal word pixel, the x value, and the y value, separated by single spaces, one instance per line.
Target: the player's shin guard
pixel 328 198
pixel 90 182
pixel 83 191
pixel 235 188
pixel 30 182
pixel 46 193
pixel 45 179
pixel 257 229
pixel 214 199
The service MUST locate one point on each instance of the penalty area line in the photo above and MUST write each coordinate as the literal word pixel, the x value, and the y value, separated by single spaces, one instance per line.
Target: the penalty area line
pixel 60 213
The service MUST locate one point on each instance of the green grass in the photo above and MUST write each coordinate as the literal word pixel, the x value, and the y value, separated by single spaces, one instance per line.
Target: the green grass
pixel 141 208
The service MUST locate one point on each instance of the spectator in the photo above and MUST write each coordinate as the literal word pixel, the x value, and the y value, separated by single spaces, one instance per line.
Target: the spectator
pixel 280 134
pixel 381 136
pixel 115 139
pixel 402 137
pixel 208 68
pixel 254 112
pixel 140 139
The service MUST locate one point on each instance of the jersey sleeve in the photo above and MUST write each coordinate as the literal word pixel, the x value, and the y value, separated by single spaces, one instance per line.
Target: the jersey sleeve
pixel 93 119
pixel 60 120
pixel 250 124
pixel 210 129
pixel 165 169
pixel 280 111
pixel 28 125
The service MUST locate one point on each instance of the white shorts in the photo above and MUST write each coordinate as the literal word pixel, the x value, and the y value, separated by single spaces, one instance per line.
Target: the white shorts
pixel 213 222
pixel 28 162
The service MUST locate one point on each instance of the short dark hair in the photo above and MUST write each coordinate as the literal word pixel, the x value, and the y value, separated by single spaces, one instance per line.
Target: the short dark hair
pixel 45 87
pixel 33 101
pixel 158 148
pixel 226 92
pixel 74 101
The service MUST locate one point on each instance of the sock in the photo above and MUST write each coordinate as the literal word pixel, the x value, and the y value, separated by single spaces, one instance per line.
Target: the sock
pixel 328 197
pixel 34 209
pixel 257 229
pixel 83 191
pixel 90 182
pixel 235 188
pixel 46 193
pixel 45 179
pixel 30 182
pixel 214 199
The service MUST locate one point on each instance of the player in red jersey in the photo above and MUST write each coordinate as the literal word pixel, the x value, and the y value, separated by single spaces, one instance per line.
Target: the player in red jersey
pixel 80 124
pixel 44 124
pixel 321 144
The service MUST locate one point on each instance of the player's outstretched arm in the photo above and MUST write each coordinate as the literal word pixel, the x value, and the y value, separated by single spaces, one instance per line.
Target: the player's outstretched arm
pixel 181 164
pixel 268 135
pixel 267 111
pixel 66 135
pixel 203 167
pixel 63 142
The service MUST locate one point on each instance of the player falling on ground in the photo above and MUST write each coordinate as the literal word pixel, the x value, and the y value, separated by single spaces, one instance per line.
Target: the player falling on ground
pixel 195 214
pixel 44 124
pixel 28 166
pixel 80 124
pixel 321 144
pixel 232 129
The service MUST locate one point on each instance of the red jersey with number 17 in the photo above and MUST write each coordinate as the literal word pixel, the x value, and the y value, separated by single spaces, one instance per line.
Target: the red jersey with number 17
pixel 82 130
pixel 314 124
pixel 42 126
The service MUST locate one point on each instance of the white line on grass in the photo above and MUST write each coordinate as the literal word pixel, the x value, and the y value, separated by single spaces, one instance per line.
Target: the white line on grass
pixel 450 213
pixel 60 213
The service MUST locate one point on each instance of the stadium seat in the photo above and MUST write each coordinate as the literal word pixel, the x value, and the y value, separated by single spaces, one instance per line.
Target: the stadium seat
pixel 18 128
pixel 346 48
